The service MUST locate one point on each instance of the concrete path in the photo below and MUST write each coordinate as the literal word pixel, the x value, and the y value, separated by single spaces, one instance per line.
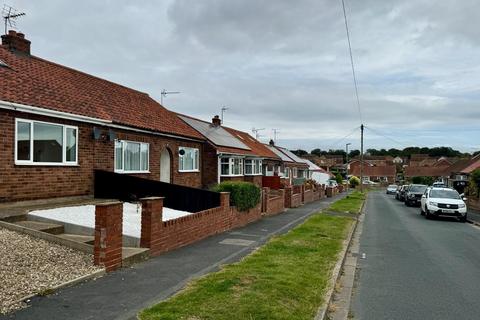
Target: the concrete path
pixel 415 268
pixel 122 294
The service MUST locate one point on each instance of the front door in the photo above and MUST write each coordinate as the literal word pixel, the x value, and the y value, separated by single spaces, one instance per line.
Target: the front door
pixel 165 166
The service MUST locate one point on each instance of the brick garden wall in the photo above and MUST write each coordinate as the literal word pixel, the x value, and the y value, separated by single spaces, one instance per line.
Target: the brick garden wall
pixel 25 182
pixel 273 201
pixel 473 203
pixel 179 232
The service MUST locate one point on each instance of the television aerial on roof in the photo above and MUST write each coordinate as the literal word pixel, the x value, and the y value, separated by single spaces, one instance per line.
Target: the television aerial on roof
pixel 10 14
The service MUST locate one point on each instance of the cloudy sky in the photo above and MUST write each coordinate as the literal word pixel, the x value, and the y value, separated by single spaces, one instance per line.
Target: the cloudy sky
pixel 284 64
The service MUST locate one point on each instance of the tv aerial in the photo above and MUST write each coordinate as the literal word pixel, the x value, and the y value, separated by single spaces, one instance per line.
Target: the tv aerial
pixel 10 15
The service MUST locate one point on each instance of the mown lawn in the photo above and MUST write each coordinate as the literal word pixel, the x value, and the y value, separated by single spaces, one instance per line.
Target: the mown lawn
pixel 351 203
pixel 285 279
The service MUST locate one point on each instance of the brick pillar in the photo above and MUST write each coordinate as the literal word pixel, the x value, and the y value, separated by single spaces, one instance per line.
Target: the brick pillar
pixel 288 197
pixel 108 235
pixel 152 223
pixel 265 198
pixel 224 199
pixel 330 192
pixel 302 191
pixel 282 196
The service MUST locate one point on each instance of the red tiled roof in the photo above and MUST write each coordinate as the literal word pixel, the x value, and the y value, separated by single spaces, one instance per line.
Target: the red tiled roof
pixel 425 171
pixel 33 81
pixel 463 166
pixel 373 171
pixel 256 146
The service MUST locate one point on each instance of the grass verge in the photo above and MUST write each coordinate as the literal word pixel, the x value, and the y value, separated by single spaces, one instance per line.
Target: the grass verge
pixel 285 279
pixel 351 203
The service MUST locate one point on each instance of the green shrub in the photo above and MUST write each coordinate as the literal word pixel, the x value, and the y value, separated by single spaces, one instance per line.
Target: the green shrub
pixel 354 181
pixel 475 181
pixel 423 180
pixel 243 195
pixel 339 178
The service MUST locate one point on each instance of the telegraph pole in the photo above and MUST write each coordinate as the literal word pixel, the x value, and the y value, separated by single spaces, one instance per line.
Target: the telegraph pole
pixel 361 158
pixel 346 164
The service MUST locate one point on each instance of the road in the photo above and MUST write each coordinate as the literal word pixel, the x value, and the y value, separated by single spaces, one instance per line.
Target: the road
pixel 415 268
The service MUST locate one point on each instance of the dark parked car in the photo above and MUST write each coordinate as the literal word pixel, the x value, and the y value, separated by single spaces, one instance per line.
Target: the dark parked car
pixel 400 195
pixel 414 193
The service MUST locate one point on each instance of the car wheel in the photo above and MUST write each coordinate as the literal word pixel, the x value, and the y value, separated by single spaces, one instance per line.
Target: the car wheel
pixel 407 203
pixel 427 214
pixel 463 219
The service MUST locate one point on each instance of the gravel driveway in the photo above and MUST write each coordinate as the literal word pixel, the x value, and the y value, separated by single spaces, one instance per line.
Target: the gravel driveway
pixel 30 265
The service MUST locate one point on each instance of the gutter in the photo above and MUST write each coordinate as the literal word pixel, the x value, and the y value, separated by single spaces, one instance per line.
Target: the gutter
pixel 85 119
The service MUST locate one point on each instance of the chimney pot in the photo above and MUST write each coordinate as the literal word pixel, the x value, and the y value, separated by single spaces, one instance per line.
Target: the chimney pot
pixel 216 121
pixel 272 143
pixel 16 42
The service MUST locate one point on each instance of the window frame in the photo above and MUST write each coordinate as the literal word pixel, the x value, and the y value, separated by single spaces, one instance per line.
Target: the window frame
pixel 253 162
pixel 123 171
pixel 196 164
pixel 230 166
pixel 31 162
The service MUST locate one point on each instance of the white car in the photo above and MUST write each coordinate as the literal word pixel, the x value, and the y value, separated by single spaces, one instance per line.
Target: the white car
pixel 392 189
pixel 436 202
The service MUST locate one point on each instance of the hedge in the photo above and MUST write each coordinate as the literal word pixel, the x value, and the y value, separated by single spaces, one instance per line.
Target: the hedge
pixel 243 195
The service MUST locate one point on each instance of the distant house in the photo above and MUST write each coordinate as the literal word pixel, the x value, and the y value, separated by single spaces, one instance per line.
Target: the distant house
pixel 226 156
pixel 293 167
pixel 59 125
pixel 380 173
pixel 438 173
pixel 318 174
pixel 397 160
pixel 457 174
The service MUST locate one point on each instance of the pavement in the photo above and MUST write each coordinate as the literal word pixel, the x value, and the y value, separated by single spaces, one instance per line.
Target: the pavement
pixel 122 294
pixel 413 268
pixel 473 216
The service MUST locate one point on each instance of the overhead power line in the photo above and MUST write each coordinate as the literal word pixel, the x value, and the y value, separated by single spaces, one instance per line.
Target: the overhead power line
pixel 351 62
pixel 342 139
pixel 378 133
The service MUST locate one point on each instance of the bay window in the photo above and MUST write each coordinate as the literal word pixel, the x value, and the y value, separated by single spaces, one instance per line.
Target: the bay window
pixel 253 167
pixel 232 166
pixel 43 143
pixel 131 157
pixel 188 159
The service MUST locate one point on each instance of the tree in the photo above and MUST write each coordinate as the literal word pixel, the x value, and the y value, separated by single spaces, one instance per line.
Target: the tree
pixel 475 180
pixel 423 180
pixel 354 153
pixel 354 181
pixel 317 152
pixel 299 152
pixel 339 178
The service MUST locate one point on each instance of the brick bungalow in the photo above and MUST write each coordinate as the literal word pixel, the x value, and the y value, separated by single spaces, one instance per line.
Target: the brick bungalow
pixel 457 174
pixel 438 173
pixel 270 161
pixel 292 166
pixel 59 125
pixel 226 155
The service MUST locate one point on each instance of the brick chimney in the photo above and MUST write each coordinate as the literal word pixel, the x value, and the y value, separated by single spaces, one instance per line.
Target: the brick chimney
pixel 216 121
pixel 15 41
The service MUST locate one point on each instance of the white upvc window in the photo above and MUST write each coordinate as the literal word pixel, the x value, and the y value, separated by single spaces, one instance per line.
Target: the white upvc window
pixel 287 172
pixel 231 166
pixel 295 172
pixel 45 143
pixel 131 157
pixel 189 159
pixel 253 167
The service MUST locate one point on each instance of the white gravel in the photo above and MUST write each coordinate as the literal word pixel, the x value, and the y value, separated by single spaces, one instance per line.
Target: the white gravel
pixel 29 265
pixel 85 216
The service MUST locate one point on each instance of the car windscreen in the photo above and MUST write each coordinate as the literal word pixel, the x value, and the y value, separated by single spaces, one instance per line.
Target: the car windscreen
pixel 446 194
pixel 393 186
pixel 417 188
